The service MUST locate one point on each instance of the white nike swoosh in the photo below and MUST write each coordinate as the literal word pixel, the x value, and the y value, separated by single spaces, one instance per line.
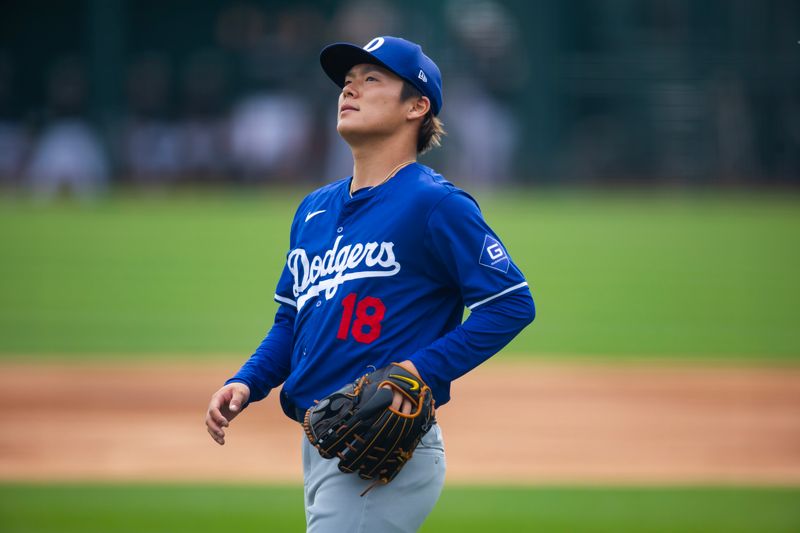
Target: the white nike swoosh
pixel 312 215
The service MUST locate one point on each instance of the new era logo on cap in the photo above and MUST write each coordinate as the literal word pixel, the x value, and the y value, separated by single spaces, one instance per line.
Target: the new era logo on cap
pixel 422 76
pixel 374 44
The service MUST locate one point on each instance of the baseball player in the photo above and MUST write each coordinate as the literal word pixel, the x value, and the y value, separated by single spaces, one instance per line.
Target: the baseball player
pixel 380 267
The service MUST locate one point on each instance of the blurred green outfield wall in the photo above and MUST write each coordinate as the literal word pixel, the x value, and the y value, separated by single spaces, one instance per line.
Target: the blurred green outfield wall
pixel 642 91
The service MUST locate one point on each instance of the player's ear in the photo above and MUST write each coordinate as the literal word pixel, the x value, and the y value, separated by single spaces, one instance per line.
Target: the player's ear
pixel 418 107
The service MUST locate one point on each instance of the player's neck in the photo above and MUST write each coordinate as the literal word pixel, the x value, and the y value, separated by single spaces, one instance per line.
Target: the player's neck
pixel 373 164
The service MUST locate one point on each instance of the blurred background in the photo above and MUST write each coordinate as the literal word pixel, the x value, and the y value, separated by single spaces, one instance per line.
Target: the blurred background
pixel 157 94
pixel 639 158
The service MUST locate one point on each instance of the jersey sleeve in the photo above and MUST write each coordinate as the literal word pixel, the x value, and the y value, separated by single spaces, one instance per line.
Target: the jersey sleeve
pixel 485 332
pixel 270 364
pixel 470 256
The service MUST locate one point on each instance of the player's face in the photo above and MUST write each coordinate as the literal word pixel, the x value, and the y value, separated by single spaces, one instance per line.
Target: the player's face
pixel 369 104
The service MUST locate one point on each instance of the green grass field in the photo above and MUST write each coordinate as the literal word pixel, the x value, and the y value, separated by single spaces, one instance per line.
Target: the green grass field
pixel 613 275
pixel 180 508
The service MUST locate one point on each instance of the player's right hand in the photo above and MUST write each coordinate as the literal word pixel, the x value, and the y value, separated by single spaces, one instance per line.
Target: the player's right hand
pixel 225 404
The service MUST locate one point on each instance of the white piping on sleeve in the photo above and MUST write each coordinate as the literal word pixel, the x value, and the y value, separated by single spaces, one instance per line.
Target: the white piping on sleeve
pixel 490 298
pixel 286 301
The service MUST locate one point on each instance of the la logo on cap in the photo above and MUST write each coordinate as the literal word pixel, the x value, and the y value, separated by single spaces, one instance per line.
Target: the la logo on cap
pixel 374 44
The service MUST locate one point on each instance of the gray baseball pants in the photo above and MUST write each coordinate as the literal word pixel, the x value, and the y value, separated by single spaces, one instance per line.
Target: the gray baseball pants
pixel 333 501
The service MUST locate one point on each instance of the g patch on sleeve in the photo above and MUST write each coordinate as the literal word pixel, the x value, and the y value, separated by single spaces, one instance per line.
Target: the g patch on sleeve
pixel 493 255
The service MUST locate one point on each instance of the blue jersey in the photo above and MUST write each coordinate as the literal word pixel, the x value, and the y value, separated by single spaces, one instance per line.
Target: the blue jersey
pixel 384 276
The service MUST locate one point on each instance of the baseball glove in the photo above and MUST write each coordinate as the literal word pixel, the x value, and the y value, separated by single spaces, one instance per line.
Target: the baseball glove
pixel 358 425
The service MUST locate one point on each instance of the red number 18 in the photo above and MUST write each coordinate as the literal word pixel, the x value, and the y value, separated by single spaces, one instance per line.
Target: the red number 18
pixel 367 325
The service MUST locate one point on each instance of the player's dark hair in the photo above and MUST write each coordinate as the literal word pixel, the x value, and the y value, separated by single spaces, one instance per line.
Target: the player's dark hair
pixel 432 129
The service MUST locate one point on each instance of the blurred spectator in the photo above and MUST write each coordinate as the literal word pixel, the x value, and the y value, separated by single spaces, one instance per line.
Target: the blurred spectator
pixel 596 93
pixel 203 127
pixel 596 148
pixel 490 67
pixel 151 143
pixel 482 134
pixel 735 146
pixel 272 125
pixel 68 153
pixel 359 21
pixel 270 134
pixel 789 148
pixel 14 140
pixel 241 26
pixel 679 111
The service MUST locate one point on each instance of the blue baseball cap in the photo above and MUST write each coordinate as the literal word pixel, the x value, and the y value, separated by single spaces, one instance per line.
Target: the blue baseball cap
pixel 404 58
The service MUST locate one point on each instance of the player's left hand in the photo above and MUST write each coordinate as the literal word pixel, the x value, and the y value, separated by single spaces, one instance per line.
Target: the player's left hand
pixel 400 402
pixel 225 404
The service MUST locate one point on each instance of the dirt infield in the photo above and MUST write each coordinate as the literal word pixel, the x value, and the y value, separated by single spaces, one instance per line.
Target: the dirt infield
pixel 507 423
